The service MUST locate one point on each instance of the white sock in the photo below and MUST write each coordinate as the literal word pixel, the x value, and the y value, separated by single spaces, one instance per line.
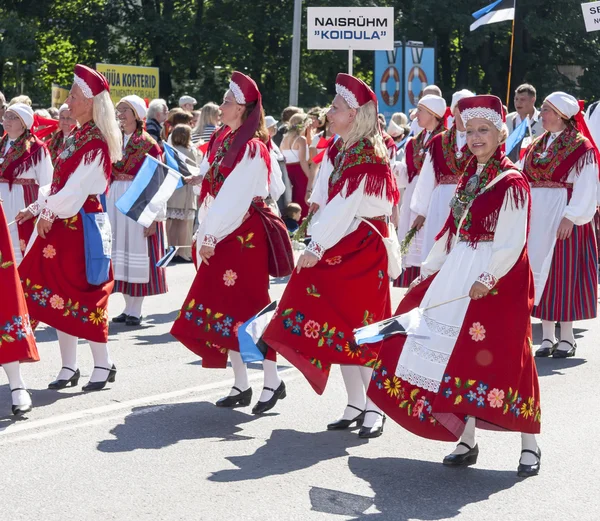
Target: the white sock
pixel 127 299
pixel 372 419
pixel 271 379
pixel 355 391
pixel 15 381
pixel 101 359
pixel 528 442
pixel 566 333
pixel 134 307
pixel 68 354
pixel 548 332
pixel 468 437
pixel 240 373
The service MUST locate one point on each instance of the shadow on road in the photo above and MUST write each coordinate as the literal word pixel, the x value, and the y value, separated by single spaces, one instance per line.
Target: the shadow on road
pixel 411 489
pixel 158 426
pixel 557 366
pixel 39 397
pixel 288 451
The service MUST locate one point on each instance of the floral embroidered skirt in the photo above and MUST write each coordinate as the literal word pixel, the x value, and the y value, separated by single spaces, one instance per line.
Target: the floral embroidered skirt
pixel 348 288
pixel 17 343
pixel 55 284
pixel 480 368
pixel 230 290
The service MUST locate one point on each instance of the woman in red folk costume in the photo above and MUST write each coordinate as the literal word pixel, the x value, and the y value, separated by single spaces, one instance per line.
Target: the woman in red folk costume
pixel 66 124
pixel 463 367
pixel 53 271
pixel 341 281
pixel 442 169
pixel 17 343
pixel 24 166
pixel 232 282
pixel 562 167
pixel 136 249
pixel 430 116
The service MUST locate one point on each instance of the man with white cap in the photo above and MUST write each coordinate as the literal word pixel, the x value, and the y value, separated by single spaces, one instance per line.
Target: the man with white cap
pixel 136 249
pixel 430 115
pixel 444 164
pixel 25 165
pixel 66 124
pixel 187 103
pixel 562 168
pixel 62 288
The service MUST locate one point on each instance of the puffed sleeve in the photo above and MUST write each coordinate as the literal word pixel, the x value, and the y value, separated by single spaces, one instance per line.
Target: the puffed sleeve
pixel 204 166
pixel 424 188
pixel 582 206
pixel 247 180
pixel 321 186
pixel 276 187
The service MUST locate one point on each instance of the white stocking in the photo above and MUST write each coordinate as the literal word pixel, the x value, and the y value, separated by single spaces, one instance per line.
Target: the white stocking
pixel 271 379
pixel 127 299
pixel 240 373
pixel 68 354
pixel 355 391
pixel 468 437
pixel 372 419
pixel 528 442
pixel 566 333
pixel 101 359
pixel 549 331
pixel 134 306
pixel 15 381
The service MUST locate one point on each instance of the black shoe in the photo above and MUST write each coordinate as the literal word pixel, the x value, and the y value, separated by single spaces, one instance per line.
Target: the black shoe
pixel 97 386
pixel 243 398
pixel 462 460
pixel 561 353
pixel 278 394
pixel 369 432
pixel 526 471
pixel 61 384
pixel 121 319
pixel 19 410
pixel 544 352
pixel 344 424
pixel 133 321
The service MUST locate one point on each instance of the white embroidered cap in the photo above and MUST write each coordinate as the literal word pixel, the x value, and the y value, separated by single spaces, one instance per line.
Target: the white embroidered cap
pixel 434 104
pixel 482 107
pixel 457 96
pixel 24 112
pixel 137 104
pixel 565 104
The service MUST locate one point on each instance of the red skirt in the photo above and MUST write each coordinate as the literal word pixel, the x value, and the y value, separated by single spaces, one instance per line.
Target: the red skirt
pixel 407 277
pixel 349 288
pixel 491 374
pixel 225 294
pixel 17 343
pixel 55 285
pixel 571 291
pixel 299 185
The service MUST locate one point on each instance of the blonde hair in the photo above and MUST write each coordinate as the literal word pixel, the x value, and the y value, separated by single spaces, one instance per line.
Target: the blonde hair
pixel 106 120
pixel 21 99
pixel 366 125
pixel 400 118
pixel 297 124
pixel 209 115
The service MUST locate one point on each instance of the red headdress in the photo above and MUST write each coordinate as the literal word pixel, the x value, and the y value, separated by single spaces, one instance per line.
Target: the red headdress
pixel 90 82
pixel 485 106
pixel 355 92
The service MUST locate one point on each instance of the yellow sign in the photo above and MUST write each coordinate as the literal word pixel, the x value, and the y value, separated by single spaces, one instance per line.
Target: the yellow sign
pixel 59 95
pixel 129 79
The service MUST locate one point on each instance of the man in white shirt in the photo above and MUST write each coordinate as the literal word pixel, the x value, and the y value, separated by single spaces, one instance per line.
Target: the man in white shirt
pixel 524 101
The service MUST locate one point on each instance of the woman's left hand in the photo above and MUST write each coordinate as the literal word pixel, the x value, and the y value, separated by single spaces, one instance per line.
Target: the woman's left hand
pixel 565 229
pixel 306 260
pixel 43 227
pixel 151 230
pixel 206 252
pixel 478 290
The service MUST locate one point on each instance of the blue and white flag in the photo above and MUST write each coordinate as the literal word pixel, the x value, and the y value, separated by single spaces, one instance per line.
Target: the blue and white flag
pixel 179 162
pixel 252 348
pixel 498 11
pixel 149 192
pixel 517 136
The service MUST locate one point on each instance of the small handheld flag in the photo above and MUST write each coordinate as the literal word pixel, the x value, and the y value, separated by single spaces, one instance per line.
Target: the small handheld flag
pixel 517 136
pixel 252 349
pixel 498 11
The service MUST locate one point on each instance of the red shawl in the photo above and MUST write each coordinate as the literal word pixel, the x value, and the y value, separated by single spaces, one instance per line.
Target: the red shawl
pixel 25 152
pixel 444 154
pixel 416 149
pixel 482 217
pixel 55 144
pixel 570 149
pixel 140 143
pixel 83 144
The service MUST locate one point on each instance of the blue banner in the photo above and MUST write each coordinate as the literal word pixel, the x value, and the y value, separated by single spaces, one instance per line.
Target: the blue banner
pixel 419 71
pixel 387 81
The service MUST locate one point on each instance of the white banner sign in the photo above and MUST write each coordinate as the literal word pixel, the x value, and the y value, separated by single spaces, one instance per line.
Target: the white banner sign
pixel 591 15
pixel 358 28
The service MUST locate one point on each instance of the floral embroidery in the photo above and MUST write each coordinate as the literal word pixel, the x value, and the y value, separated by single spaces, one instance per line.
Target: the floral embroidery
pixel 236 327
pixel 70 222
pixel 313 292
pixel 49 252
pixel 57 302
pixel 316 249
pixel 208 320
pixel 334 260
pixel 487 279
pixel 245 242
pixel 477 332
pixel 22 245
pixel 496 398
pixel 48 215
pixel 209 240
pixel 392 386
pixel 230 277
pixel 311 329
pixel 99 316
pixel 17 329
pixel 5 264
pixel 352 350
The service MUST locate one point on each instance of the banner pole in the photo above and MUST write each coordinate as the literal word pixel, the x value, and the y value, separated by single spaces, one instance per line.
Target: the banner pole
pixel 512 45
pixel 350 62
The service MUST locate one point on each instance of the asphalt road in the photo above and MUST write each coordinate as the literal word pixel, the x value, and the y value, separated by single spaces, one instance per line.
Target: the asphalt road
pixel 154 447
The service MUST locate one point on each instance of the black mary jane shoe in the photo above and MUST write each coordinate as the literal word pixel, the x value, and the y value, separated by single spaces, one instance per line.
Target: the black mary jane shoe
pixel 242 399
pixel 20 410
pixel 61 384
pixel 133 321
pixel 278 394
pixel 526 471
pixel 370 432
pixel 342 424
pixel 121 319
pixel 561 353
pixel 462 460
pixel 98 386
pixel 544 352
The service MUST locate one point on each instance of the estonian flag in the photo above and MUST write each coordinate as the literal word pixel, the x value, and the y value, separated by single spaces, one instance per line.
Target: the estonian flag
pixel 408 323
pixel 252 348
pixel 499 11
pixel 150 190
pixel 180 162
pixel 517 136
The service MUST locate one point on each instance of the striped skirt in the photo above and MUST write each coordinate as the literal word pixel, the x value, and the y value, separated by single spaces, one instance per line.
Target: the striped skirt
pixel 408 275
pixel 571 291
pixel 157 285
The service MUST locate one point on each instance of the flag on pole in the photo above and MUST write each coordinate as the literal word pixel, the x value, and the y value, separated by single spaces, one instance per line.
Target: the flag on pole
pixel 150 190
pixel 252 348
pixel 498 11
pixel 180 163
pixel 163 262
pixel 517 136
